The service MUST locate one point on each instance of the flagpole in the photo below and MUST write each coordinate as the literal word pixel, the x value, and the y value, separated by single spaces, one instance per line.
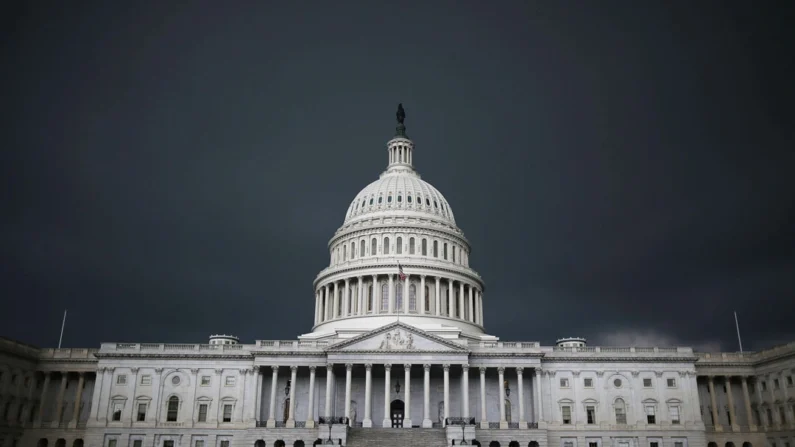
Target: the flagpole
pixel 62 326
pixel 737 324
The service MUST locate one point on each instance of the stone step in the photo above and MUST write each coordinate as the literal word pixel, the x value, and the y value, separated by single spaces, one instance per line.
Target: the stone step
pixel 425 437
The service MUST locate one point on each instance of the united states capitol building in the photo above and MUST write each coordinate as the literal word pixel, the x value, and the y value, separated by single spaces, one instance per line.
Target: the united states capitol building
pixel 397 354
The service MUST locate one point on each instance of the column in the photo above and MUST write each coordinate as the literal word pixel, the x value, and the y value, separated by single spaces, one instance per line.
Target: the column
pixel 777 422
pixel 375 295
pixel 42 399
pixel 422 295
pixel 480 307
pixel 387 422
pixel 747 401
pixel 446 393
pixel 258 397
pixel 520 384
pixel 537 401
pixel 471 305
pixel 407 394
pixel 391 306
pixel 348 370
pixel 78 398
pixel 328 304
pixel 450 298
pixel 735 426
pixel 272 408
pixel 461 305
pixel 426 404
pixel 336 301
pixel 501 403
pixel 329 379
pixel 368 391
pixel 484 422
pixel 437 299
pixel 717 425
pixel 465 385
pixel 406 294
pixel 59 400
pixel 347 301
pixel 291 411
pixel 310 407
pixel 97 394
pixel 360 309
pixel 693 380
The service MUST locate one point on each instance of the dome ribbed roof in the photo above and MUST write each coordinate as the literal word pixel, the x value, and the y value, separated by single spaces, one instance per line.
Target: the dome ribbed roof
pixel 402 191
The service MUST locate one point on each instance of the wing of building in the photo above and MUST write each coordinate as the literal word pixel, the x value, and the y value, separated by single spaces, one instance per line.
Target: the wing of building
pixel 397 355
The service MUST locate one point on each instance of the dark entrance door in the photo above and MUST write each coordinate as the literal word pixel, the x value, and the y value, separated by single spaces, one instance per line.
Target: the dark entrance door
pixel 396 409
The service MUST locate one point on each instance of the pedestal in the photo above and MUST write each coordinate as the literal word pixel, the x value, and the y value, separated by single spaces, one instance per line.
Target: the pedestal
pixel 367 423
pixel 406 423
pixel 427 423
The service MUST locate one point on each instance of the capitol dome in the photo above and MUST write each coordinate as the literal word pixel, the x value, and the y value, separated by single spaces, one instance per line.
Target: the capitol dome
pixel 398 255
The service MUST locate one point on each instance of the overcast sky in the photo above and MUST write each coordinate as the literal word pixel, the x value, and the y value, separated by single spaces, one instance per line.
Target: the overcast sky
pixel 624 171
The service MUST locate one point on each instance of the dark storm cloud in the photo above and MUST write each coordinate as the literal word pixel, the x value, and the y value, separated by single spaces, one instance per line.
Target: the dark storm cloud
pixel 623 171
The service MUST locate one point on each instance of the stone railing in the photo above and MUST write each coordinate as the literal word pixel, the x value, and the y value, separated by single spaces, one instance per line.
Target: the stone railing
pixel 154 348
pixel 67 353
pixel 291 345
pixel 732 357
pixel 622 350
pixel 504 346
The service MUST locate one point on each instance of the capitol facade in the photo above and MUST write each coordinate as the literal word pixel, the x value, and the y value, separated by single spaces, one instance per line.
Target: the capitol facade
pixel 397 355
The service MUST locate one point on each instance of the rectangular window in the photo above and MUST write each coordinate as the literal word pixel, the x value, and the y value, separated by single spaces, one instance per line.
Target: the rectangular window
pixel 623 444
pixel 776 385
pixel 650 419
pixel 679 444
pixel 121 379
pixel 764 385
pixel 564 382
pixel 593 444
pixel 205 380
pixel 568 443
pixel 591 413
pixel 769 417
pixel 141 412
pixel 566 410
pixel 111 443
pixel 673 412
pixel 654 444
pixel 782 413
pixel 146 379
pixel 751 387
pixel 117 407
pixel 789 381
pixel 647 382
pixel 671 382
pixel 230 380
pixel 588 382
pixel 168 443
pixel 138 443
pixel 199 443
pixel 757 419
pixel 224 443
pixel 227 413
pixel 203 413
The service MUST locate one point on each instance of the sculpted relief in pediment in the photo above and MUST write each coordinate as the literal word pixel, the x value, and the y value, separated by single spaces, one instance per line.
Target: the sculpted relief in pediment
pixel 397 340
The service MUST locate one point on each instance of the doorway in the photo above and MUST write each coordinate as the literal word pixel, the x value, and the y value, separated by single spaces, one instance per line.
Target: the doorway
pixel 396 409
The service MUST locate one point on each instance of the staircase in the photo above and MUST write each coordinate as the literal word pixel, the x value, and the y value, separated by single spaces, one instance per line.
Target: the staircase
pixel 376 437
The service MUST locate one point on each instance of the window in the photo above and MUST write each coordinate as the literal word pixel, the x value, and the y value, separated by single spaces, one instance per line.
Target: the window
pixel 568 443
pixel 425 247
pixel 593 443
pixel 435 249
pixel 230 380
pixel 138 443
pixel 205 380
pixel 444 251
pixel 650 417
pixel 647 382
pixel 671 382
pixel 673 413
pixel 399 248
pixel 386 245
pixel 173 409
pixel 776 385
pixel 453 253
pixel 590 412
pixel 789 381
pixel 361 248
pixel 202 412
pixel 411 245
pixel 227 413
pixel 654 444
pixel 679 444
pixel 199 443
pixel 389 198
pixel 384 297
pixel 400 198
pixel 168 443
pixel 370 298
pixel 353 250
pixel 588 382
pixel 757 418
pixel 117 407
pixel 146 379
pixel 344 252
pixel 413 298
pixel 566 413
pixel 764 385
pixel 141 412
pixel 380 199
pixel 564 382
pixel 373 247
pixel 408 198
pixel 224 444
pixel 621 415
pixel 427 299
pixel 111 443
pixel 782 413
pixel 617 383
pixel 121 379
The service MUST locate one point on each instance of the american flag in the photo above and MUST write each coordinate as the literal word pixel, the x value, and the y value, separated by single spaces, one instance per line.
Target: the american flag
pixel 401 275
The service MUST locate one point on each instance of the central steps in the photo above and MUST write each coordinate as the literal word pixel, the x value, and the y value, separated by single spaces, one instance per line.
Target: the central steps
pixel 420 437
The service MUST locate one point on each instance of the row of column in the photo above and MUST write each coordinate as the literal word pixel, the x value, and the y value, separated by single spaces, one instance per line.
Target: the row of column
pixel 329 297
pixel 407 421
pixel 775 415
pixel 59 407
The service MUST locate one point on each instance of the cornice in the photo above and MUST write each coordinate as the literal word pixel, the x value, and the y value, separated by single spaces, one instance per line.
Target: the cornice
pixel 288 353
pixel 65 360
pixel 532 355
pixel 612 359
pixel 110 355
pixel 357 269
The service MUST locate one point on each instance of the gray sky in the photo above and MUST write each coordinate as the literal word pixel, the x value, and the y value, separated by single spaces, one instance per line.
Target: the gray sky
pixel 623 170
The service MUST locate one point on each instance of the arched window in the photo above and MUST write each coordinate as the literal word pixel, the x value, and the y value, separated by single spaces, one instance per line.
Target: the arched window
pixel 380 199
pixel 386 245
pixel 361 248
pixel 370 298
pixel 400 198
pixel 408 198
pixel 398 297
pixel 425 247
pixel 384 297
pixel 427 299
pixel 389 198
pixel 371 201
pixel 444 252
pixel 373 247
pixel 344 252
pixel 428 202
pixel 419 200
pixel 621 412
pixel 453 253
pixel 399 248
pixel 435 249
pixel 411 245
pixel 173 409
pixel 353 250
pixel 412 298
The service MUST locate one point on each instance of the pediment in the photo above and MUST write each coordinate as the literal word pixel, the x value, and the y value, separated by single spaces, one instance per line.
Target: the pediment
pixel 397 337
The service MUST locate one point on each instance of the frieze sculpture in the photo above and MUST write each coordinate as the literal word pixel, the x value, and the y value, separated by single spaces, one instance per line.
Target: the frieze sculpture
pixel 396 341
